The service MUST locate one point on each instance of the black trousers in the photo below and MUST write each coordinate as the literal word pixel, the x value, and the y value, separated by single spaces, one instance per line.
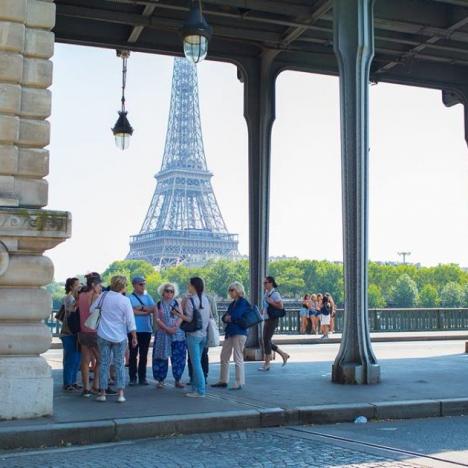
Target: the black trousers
pixel 140 352
pixel 204 363
pixel 269 327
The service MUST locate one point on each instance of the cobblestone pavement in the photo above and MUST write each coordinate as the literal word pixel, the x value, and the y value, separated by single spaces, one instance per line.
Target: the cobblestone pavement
pixel 256 448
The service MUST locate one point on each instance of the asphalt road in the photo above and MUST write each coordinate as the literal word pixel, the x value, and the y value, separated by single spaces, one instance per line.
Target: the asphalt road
pixel 416 443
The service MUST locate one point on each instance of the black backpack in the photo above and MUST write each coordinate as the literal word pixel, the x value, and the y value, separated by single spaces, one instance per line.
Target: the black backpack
pixel 196 323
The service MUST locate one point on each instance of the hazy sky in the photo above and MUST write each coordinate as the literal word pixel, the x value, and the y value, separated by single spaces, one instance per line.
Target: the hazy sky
pixel 418 161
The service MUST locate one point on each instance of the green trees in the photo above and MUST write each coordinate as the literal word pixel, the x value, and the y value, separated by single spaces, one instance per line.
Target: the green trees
pixel 452 295
pixel 405 292
pixel 389 284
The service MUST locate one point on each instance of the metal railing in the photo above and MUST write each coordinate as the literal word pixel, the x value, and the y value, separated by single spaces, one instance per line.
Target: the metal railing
pixel 380 320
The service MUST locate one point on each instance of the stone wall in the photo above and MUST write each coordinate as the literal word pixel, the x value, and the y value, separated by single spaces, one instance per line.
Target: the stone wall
pixel 26 230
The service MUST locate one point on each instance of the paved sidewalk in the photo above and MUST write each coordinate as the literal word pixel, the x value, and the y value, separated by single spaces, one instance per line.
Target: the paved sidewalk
pixel 434 382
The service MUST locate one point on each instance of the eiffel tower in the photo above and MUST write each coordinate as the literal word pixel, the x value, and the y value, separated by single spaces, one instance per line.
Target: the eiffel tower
pixel 184 222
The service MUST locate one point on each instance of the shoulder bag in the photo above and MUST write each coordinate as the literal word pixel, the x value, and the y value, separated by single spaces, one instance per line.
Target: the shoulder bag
pixel 250 317
pixel 196 323
pixel 212 332
pixel 274 312
pixel 93 320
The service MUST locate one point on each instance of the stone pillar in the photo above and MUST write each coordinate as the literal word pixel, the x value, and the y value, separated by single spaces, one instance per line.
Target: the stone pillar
pixel 26 230
pixel 259 77
pixel 354 48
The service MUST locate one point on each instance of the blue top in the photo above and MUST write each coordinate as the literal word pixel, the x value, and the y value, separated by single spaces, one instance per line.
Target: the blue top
pixel 236 309
pixel 143 322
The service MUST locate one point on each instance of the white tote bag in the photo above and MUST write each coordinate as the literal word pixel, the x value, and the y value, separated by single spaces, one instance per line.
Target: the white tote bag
pixel 92 321
pixel 212 334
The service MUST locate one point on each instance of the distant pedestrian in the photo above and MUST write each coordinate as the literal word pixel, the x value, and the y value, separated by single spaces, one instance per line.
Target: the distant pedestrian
pixel 235 337
pixel 304 313
pixel 143 307
pixel 325 315
pixel 169 339
pixel 87 337
pixel 116 322
pixel 333 313
pixel 196 340
pixel 272 298
pixel 314 313
pixel 71 355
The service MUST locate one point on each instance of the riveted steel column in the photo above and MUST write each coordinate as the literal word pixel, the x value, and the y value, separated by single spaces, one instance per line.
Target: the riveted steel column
pixel 354 48
pixel 259 78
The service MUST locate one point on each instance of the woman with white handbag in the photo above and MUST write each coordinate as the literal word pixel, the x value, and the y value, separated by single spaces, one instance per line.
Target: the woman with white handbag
pixel 235 338
pixel 114 320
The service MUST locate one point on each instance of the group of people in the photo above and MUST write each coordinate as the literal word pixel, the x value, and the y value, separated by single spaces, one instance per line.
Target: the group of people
pixel 317 313
pixel 127 321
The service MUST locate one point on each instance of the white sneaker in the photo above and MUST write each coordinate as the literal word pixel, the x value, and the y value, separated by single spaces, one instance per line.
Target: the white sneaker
pixel 121 399
pixel 194 395
pixel 101 398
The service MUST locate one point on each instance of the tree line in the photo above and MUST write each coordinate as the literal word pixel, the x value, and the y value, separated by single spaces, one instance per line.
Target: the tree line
pixel 390 285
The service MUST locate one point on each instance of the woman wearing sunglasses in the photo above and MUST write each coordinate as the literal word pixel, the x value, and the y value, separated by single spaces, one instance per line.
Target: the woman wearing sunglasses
pixel 169 340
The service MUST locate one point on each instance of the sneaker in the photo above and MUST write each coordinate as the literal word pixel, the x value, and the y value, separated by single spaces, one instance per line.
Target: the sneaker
pixel 132 382
pixel 194 395
pixel 69 389
pixel 143 382
pixel 219 385
pixel 121 399
pixel 101 398
pixel 86 393
pixel 77 387
pixel 111 391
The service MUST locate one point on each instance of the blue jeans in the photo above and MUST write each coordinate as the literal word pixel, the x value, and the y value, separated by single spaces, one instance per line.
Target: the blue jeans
pixel 196 345
pixel 71 359
pixel 107 350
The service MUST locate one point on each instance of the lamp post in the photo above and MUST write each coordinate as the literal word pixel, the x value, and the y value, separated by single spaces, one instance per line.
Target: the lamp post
pixel 122 129
pixel 196 33
pixel 404 255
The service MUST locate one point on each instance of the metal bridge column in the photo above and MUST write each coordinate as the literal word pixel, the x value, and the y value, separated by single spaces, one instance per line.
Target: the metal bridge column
pixel 259 78
pixel 354 48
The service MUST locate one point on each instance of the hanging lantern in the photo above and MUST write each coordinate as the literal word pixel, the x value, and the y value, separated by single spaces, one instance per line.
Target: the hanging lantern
pixel 196 33
pixel 122 129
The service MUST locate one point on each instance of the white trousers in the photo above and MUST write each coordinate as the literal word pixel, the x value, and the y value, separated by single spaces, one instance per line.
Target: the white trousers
pixel 233 345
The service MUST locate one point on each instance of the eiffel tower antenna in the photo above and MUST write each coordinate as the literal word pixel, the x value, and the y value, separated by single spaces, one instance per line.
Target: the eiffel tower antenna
pixel 184 222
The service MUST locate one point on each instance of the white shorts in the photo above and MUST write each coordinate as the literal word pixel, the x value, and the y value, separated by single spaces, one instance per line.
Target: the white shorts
pixel 325 319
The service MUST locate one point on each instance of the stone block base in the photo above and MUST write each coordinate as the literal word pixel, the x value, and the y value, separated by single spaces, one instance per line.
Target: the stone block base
pixel 26 388
pixel 356 374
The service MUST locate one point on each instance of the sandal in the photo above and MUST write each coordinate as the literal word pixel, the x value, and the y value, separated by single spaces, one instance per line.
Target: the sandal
pixel 285 359
pixel 160 385
pixel 179 385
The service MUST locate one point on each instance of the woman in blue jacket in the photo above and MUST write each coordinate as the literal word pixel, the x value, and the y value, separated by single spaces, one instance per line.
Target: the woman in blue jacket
pixel 235 337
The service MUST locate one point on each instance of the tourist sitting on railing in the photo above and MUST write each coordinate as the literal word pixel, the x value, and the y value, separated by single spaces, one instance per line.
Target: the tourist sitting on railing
pixel 117 320
pixel 169 339
pixel 273 309
pixel 304 313
pixel 71 355
pixel 235 337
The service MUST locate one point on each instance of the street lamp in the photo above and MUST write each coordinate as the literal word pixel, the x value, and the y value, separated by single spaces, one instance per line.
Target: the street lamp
pixel 196 33
pixel 122 129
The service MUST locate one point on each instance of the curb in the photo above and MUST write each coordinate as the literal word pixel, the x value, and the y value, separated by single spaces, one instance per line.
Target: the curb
pixel 374 339
pixel 92 432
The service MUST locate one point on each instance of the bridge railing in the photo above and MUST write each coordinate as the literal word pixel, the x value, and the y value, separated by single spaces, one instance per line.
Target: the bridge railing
pixel 380 320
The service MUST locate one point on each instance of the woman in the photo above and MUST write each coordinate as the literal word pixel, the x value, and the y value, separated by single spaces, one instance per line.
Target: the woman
pixel 273 299
pixel 169 339
pixel 117 320
pixel 196 341
pixel 235 337
pixel 314 313
pixel 333 313
pixel 71 355
pixel 304 313
pixel 325 314
pixel 87 337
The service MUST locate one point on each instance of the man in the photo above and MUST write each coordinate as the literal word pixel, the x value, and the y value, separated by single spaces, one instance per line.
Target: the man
pixel 143 308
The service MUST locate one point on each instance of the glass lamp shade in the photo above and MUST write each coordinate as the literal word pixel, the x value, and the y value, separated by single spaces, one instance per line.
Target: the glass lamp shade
pixel 122 140
pixel 195 48
pixel 122 131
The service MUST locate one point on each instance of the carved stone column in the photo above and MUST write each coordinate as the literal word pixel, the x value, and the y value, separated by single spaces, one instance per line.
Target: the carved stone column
pixel 354 48
pixel 26 230
pixel 259 78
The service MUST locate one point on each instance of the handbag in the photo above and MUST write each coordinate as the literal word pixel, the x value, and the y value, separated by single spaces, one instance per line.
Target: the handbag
pixel 196 323
pixel 212 332
pixel 250 318
pixel 274 312
pixel 93 320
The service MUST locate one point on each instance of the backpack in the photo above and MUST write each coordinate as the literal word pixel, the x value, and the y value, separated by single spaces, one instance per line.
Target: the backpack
pixel 196 323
